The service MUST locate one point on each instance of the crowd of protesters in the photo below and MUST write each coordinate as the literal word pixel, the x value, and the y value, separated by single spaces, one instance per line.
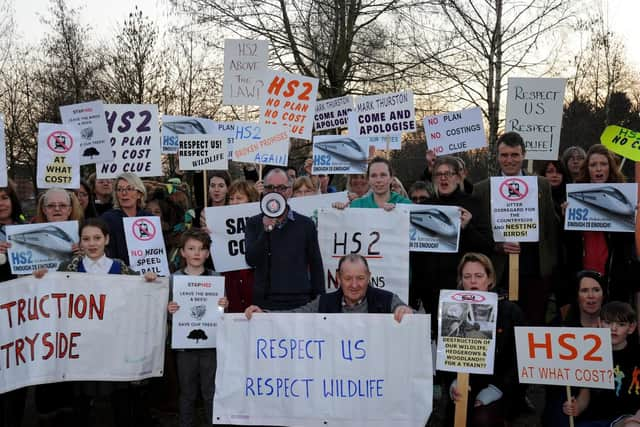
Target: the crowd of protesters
pixel 568 278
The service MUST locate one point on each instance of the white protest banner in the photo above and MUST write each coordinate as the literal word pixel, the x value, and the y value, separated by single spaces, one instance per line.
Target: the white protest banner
pixel 316 370
pixel 514 208
pixel 601 207
pixel 289 101
pixel 338 154
pixel 380 142
pixel 227 225
pixel 80 327
pixel 385 114
pixel 244 65
pixel 58 156
pixel 332 113
pixel 4 179
pixel 534 110
pixel 135 137
pixel 467 331
pixel 310 205
pixel 146 244
pixel 580 357
pixel 433 228
pixel 378 235
pixel 203 152
pixel 195 324
pixel 174 126
pixel 271 149
pixel 45 245
pixel 88 119
pixel 455 131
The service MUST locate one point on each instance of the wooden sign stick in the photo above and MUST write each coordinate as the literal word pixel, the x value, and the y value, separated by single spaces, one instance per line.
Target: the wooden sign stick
pixel 569 399
pixel 514 273
pixel 460 419
pixel 388 143
pixel 260 172
pixel 205 186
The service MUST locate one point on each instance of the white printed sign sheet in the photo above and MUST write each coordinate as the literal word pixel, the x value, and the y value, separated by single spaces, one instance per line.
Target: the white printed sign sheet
pixel 289 100
pixel 88 118
pixel 579 357
pixel 601 207
pixel 467 331
pixel 271 149
pixel 534 110
pixel 4 179
pixel 58 156
pixel 244 64
pixel 317 370
pixel 36 246
pixel 332 113
pixel 514 208
pixel 135 137
pixel 386 114
pixel 195 324
pixel 106 330
pixel 338 154
pixel 433 228
pixel 174 126
pixel 376 234
pixel 455 131
pixel 203 152
pixel 146 244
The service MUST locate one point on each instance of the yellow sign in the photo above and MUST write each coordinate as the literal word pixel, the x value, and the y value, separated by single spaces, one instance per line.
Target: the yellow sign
pixel 624 142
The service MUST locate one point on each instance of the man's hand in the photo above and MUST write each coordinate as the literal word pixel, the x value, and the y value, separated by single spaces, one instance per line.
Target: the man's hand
pixel 508 247
pixel 172 307
pixel 269 223
pixel 400 311
pixel 252 309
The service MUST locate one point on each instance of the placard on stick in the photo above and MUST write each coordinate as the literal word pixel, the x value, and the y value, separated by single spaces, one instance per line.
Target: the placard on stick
pixel 203 152
pixel 385 114
pixel 58 156
pixel 332 113
pixel 455 131
pixel 146 244
pixel 244 64
pixel 89 120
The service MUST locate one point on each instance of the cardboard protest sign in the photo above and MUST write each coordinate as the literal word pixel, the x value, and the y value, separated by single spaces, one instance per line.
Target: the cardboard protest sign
pixel 455 131
pixel 106 330
pixel 332 113
pixel 601 207
pixel 36 246
pixel 174 126
pixel 195 324
pixel 337 154
pixel 380 142
pixel 467 331
pixel 4 179
pixel 88 119
pixel 244 64
pixel 58 156
pixel 514 208
pixel 378 235
pixel 271 149
pixel 433 228
pixel 318 370
pixel 227 225
pixel 134 136
pixel 146 244
pixel 534 110
pixel 385 114
pixel 203 152
pixel 622 141
pixel 289 100
pixel 579 357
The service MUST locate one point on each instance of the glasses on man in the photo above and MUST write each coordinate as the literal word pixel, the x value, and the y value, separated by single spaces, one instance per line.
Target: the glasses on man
pixel 277 188
pixel 126 190
pixel 56 206
pixel 446 175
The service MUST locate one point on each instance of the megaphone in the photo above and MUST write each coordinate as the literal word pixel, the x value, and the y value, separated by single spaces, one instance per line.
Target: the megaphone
pixel 273 205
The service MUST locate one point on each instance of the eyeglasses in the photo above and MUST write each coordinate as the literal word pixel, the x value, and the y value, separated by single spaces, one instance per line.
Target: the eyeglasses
pixel 55 206
pixel 419 199
pixel 126 190
pixel 277 188
pixel 82 194
pixel 443 175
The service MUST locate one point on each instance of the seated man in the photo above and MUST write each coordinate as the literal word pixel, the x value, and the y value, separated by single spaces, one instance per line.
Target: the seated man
pixel 355 294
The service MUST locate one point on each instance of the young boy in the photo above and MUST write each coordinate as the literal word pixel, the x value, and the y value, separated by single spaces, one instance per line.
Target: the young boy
pixel 196 367
pixel 606 406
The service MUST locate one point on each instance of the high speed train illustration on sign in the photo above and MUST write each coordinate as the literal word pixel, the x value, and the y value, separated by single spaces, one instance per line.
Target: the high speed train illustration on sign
pixel 346 148
pixel 607 198
pixel 183 127
pixel 46 239
pixel 434 221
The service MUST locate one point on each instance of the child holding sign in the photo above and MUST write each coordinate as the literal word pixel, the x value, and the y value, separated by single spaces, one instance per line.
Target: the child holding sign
pixel 605 406
pixel 196 367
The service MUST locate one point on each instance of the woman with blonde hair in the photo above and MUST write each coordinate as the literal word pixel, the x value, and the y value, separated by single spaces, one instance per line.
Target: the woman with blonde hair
pixel 304 186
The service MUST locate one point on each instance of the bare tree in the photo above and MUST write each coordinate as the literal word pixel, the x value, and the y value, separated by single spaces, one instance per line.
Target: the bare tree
pixel 7 30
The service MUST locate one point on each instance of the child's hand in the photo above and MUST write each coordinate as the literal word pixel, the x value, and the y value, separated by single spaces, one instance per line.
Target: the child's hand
pixel 39 273
pixel 172 307
pixel 223 302
pixel 150 276
pixel 77 250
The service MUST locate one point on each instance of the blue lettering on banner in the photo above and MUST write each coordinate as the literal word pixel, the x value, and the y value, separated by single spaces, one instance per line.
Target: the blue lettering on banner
pixel 18 258
pixel 277 387
pixel 289 348
pixel 347 388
